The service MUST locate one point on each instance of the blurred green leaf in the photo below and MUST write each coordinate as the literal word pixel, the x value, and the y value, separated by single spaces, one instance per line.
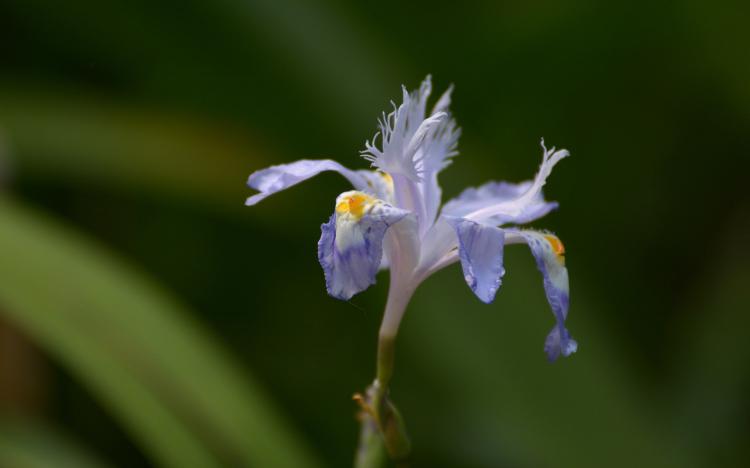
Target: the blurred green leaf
pixel 712 355
pixel 507 403
pixel 321 47
pixel 316 38
pixel 25 445
pixel 100 142
pixel 180 395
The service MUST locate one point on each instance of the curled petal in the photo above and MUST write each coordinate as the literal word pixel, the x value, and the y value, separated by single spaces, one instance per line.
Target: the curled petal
pixel 549 253
pixel 277 178
pixel 493 193
pixel 351 242
pixel 480 249
pixel 517 207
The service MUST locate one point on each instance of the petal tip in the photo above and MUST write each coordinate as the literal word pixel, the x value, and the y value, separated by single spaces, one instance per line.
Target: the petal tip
pixel 557 346
pixel 254 199
pixel 342 296
pixel 570 348
pixel 487 294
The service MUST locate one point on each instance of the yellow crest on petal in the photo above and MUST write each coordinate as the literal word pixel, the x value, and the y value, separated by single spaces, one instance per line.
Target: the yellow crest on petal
pixel 386 177
pixel 557 247
pixel 354 203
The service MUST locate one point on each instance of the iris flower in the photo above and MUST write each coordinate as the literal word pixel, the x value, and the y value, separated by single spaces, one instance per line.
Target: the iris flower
pixel 393 220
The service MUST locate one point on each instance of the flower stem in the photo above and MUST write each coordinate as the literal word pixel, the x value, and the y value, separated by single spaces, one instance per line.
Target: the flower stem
pixel 399 295
pixel 381 422
pixel 370 449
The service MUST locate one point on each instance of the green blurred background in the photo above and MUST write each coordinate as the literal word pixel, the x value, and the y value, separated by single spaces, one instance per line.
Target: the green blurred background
pixel 148 318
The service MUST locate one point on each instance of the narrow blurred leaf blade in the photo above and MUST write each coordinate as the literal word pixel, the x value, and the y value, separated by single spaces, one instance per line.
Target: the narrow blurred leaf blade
pixel 710 347
pixel 167 380
pixel 64 134
pixel 27 445
pixel 511 405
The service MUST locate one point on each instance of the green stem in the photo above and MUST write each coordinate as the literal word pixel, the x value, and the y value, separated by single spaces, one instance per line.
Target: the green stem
pixel 381 422
pixel 398 299
pixel 370 449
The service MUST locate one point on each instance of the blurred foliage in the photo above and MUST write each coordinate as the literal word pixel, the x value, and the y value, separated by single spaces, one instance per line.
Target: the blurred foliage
pixel 27 445
pixel 130 147
pixel 165 379
pixel 133 125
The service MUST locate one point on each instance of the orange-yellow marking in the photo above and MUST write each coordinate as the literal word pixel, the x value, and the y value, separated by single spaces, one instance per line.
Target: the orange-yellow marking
pixel 387 177
pixel 354 204
pixel 557 246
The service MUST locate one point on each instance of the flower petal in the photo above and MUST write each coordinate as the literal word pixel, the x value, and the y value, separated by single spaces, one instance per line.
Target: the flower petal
pixel 516 208
pixel 444 102
pixel 493 193
pixel 550 259
pixel 351 242
pixel 277 178
pixel 407 130
pixel 480 249
pixel 378 184
pixel 415 146
pixel 435 155
pixel 402 247
pixel 438 248
pixel 396 131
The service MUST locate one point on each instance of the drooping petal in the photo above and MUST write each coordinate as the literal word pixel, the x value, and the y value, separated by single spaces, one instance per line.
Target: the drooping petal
pixel 494 193
pixel 480 249
pixel 549 253
pixel 516 208
pixel 277 178
pixel 351 242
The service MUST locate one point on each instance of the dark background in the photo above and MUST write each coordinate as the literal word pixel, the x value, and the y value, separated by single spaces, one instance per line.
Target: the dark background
pixel 129 128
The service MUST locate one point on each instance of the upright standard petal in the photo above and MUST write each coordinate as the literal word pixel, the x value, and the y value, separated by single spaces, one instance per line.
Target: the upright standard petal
pixel 494 193
pixel 277 178
pixel 549 253
pixel 351 242
pixel 402 133
pixel 435 155
pixel 414 147
pixel 480 249
pixel 444 101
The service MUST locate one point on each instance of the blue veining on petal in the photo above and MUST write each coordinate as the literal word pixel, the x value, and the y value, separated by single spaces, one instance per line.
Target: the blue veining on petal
pixel 480 250
pixel 492 193
pixel 277 178
pixel 353 269
pixel 558 342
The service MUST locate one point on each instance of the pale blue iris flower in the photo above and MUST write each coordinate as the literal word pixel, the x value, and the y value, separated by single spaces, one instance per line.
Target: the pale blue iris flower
pixel 393 218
